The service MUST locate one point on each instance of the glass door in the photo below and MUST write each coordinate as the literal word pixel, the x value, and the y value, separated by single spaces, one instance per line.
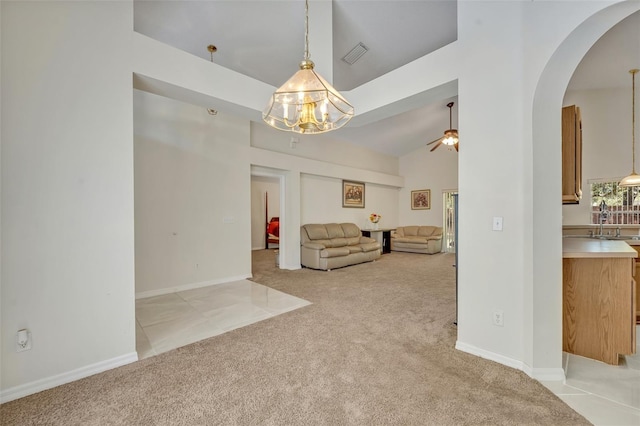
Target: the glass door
pixel 449 221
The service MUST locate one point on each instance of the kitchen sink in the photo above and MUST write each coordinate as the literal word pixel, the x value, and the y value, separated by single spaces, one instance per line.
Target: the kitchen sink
pixel 607 237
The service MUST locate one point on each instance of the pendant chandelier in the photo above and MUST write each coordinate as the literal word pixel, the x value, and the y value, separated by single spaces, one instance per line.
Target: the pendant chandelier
pixel 633 179
pixel 306 103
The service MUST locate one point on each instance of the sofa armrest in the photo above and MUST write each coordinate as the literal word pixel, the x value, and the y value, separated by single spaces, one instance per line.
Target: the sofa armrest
pixel 367 240
pixel 314 246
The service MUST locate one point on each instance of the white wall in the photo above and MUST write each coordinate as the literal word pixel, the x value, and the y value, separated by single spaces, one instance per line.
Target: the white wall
pixel 321 202
pixel 606 143
pixel 575 32
pixel 437 171
pixel 67 191
pixel 1 330
pixel 261 185
pixel 490 178
pixel 192 203
pixel 516 59
pixel 326 147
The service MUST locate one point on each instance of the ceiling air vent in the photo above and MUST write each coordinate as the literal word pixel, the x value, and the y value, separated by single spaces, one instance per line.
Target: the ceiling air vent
pixel 355 54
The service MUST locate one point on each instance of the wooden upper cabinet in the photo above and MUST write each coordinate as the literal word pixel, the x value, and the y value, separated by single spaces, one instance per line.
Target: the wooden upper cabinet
pixel 571 155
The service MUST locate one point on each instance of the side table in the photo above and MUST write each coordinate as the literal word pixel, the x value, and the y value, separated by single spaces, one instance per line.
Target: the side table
pixel 383 236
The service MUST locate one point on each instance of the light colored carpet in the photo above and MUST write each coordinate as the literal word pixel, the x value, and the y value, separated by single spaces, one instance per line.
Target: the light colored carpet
pixel 375 348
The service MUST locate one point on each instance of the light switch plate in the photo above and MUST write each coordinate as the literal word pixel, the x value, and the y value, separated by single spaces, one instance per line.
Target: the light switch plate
pixel 497 223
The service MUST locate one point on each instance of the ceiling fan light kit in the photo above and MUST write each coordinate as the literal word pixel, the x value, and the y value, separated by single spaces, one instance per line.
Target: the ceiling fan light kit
pixel 633 179
pixel 450 137
pixel 307 103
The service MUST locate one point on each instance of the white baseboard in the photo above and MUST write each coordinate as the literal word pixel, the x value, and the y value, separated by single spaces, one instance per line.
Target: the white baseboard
pixel 541 374
pixel 290 267
pixel 500 359
pixel 545 374
pixel 20 391
pixel 169 290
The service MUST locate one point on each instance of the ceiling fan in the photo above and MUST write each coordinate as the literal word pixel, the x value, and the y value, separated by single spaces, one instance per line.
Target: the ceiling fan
pixel 450 137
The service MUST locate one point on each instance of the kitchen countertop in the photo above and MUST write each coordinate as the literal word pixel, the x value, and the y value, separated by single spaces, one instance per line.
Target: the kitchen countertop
pixel 591 247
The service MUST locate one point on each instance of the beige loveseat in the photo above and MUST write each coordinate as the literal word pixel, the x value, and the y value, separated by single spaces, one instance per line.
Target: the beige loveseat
pixel 417 239
pixel 334 245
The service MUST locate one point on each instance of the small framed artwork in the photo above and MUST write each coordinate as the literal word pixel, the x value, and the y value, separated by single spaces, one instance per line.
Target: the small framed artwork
pixel 421 199
pixel 352 194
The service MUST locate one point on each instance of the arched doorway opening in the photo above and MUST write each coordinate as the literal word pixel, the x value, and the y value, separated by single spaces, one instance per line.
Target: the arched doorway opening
pixel 543 306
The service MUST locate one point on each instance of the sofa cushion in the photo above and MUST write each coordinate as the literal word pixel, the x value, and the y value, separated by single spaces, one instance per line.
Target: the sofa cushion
pixel 334 230
pixel 422 240
pixel 411 245
pixel 354 249
pixel 426 231
pixel 366 247
pixel 313 245
pixel 350 230
pixel 324 243
pixel 352 241
pixel 334 252
pixel 338 242
pixel 316 232
pixel 410 231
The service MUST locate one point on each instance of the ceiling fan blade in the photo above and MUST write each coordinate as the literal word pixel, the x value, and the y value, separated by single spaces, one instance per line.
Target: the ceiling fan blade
pixel 439 143
pixel 439 139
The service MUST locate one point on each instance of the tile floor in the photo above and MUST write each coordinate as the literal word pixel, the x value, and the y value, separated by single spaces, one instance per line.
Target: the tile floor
pixel 604 394
pixel 172 320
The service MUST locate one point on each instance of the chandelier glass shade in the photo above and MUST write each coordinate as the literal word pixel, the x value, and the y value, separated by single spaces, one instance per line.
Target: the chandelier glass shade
pixel 307 103
pixel 633 179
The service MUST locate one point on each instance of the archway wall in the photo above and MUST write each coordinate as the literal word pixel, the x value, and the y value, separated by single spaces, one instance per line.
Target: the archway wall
pixel 546 212
pixel 514 55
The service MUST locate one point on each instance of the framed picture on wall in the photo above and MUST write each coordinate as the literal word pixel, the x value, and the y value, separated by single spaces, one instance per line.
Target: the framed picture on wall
pixel 421 199
pixel 352 194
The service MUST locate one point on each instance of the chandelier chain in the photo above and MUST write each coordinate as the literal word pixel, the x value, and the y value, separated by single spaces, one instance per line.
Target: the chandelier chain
pixel 633 118
pixel 306 30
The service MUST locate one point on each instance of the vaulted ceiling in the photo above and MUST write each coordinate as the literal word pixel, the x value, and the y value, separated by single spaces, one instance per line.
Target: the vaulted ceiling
pixel 264 40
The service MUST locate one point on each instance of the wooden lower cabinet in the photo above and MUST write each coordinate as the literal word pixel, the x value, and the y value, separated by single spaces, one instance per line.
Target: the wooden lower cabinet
pixel 599 307
pixel 637 272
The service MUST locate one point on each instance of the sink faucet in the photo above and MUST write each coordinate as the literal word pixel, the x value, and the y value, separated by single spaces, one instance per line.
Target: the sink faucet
pixel 618 231
pixel 604 215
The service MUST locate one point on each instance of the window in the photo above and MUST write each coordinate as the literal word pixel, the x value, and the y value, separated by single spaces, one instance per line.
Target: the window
pixel 622 204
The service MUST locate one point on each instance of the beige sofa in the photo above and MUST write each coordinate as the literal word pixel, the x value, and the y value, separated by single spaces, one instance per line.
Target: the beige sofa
pixel 417 239
pixel 334 245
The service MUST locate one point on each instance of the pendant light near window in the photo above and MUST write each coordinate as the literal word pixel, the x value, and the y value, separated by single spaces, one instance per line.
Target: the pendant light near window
pixel 306 103
pixel 633 179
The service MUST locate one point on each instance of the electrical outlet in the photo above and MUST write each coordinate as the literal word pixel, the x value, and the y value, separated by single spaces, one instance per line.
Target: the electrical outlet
pixel 23 340
pixel 498 318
